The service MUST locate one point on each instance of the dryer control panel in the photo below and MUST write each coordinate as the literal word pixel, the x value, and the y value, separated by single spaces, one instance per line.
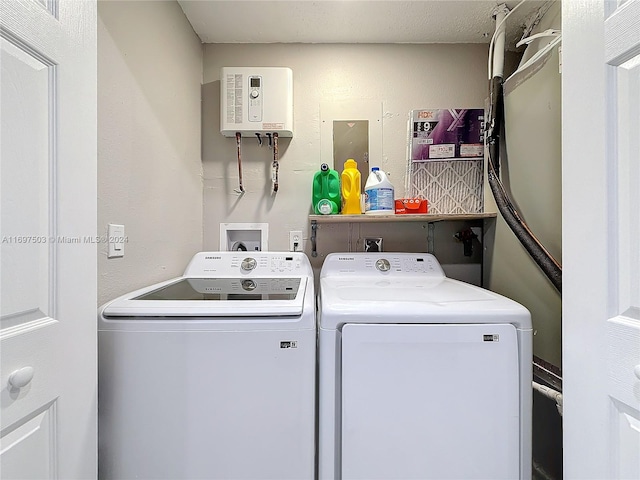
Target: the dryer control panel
pixel 383 263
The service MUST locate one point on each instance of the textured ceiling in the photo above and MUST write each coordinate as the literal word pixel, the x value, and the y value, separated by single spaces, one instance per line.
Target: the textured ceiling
pixel 352 21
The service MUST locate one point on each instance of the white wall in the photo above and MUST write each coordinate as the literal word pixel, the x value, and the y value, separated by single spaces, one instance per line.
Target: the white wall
pixel 149 131
pixel 398 77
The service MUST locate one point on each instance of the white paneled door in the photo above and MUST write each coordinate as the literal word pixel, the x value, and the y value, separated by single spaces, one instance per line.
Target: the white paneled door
pixel 601 231
pixel 47 230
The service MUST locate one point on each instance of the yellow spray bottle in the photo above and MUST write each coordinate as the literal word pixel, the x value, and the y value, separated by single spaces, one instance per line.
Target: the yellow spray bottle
pixel 350 188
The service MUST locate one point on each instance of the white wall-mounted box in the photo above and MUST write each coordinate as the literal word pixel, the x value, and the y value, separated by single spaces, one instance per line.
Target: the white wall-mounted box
pixel 256 100
pixel 244 237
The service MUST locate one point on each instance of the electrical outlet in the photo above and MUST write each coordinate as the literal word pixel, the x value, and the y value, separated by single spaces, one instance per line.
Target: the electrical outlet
pixel 373 244
pixel 295 241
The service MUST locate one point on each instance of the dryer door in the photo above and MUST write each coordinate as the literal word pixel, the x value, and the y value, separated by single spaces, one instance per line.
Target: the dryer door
pixel 430 402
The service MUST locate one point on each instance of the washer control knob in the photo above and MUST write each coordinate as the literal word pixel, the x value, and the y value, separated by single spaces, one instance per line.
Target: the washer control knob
pixel 383 265
pixel 248 264
pixel 248 285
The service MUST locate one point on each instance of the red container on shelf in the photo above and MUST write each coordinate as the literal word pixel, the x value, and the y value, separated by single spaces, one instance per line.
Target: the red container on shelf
pixel 412 205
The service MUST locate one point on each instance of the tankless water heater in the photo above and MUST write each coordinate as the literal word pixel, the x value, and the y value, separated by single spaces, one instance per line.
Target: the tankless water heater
pixel 256 100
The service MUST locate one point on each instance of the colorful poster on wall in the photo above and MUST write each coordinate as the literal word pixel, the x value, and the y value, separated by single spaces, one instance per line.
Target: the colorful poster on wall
pixel 446 134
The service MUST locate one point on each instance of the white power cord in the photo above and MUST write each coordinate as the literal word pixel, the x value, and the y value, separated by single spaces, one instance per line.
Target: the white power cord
pixel 540 53
pixel 547 33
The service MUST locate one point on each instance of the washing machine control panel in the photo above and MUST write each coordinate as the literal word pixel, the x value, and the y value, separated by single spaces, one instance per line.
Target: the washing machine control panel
pixel 394 264
pixel 230 264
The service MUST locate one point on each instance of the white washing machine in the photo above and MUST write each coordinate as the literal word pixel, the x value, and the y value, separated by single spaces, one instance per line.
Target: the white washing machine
pixel 211 375
pixel 420 376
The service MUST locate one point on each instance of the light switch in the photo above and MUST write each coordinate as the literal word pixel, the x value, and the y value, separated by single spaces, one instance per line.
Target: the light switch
pixel 116 239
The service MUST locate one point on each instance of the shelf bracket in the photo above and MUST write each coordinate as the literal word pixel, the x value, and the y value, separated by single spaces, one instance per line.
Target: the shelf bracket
pixel 314 228
pixel 431 228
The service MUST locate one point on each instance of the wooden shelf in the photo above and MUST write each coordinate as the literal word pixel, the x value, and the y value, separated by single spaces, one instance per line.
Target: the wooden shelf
pixel 399 218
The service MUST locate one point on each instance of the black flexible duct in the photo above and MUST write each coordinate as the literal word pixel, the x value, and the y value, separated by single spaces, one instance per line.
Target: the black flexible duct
pixel 532 245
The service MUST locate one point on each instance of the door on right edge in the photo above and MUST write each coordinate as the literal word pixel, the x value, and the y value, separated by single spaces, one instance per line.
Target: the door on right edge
pixel 601 232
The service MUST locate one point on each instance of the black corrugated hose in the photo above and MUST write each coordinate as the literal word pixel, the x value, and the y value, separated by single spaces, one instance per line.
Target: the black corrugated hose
pixel 532 245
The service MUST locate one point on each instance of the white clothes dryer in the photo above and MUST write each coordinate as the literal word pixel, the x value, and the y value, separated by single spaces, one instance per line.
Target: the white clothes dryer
pixel 420 376
pixel 211 375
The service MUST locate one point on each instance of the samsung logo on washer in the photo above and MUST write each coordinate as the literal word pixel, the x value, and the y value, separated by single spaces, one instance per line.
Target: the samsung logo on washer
pixel 213 258
pixel 347 258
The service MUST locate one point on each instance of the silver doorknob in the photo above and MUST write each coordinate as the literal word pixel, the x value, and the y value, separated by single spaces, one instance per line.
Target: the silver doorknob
pixel 21 377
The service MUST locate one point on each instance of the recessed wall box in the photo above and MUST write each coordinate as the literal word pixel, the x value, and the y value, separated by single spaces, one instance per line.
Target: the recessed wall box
pixel 256 100
pixel 244 237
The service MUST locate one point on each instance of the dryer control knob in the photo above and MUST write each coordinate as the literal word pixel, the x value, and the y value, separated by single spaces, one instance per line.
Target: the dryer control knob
pixel 248 285
pixel 248 264
pixel 383 265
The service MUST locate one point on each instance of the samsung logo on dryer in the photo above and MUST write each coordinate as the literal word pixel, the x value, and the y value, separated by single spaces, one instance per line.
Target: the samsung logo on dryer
pixel 347 258
pixel 213 258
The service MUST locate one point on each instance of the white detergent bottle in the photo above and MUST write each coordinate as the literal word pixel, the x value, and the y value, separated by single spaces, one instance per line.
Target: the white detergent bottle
pixel 378 194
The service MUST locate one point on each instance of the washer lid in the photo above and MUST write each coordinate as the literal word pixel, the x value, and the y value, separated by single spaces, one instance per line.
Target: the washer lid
pixel 214 297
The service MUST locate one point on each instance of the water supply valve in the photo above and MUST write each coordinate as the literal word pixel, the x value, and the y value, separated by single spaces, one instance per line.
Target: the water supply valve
pixel 467 237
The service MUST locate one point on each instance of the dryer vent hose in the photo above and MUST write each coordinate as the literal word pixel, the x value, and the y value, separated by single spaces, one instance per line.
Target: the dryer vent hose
pixel 518 226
